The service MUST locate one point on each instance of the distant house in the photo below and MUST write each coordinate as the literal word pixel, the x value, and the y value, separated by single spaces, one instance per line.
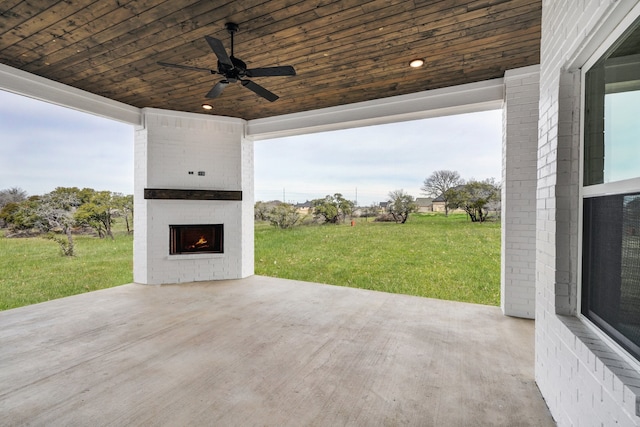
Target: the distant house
pixel 425 204
pixel 303 208
pixel 438 203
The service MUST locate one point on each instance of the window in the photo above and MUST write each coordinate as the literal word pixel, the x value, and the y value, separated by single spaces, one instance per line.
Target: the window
pixel 611 192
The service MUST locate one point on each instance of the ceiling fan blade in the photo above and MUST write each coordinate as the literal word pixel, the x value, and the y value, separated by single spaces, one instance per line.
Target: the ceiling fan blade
pixel 269 96
pixel 218 48
pixel 186 67
pixel 217 89
pixel 286 70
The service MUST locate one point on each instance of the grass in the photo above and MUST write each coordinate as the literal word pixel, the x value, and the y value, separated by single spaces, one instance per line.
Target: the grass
pixel 32 269
pixel 431 256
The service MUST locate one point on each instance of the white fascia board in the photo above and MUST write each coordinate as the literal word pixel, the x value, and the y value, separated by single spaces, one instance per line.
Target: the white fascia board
pixel 27 84
pixel 468 98
pixel 519 73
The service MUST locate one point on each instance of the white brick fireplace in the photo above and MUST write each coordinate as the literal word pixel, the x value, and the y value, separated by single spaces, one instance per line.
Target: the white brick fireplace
pixel 197 154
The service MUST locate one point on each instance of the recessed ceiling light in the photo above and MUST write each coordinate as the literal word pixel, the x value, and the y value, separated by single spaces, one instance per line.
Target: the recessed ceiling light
pixel 207 106
pixel 416 63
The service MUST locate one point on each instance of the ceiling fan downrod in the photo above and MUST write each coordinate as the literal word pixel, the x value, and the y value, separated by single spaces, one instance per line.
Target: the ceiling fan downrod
pixel 232 28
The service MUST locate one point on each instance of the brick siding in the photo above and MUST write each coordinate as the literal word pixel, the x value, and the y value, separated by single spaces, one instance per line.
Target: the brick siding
pixel 583 379
pixel 519 154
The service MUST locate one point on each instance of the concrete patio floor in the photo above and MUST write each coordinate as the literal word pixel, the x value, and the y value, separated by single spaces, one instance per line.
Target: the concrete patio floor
pixel 268 352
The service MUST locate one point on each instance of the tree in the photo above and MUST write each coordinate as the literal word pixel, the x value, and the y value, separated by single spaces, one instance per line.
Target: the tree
pixel 54 211
pixel 261 211
pixel 333 209
pixel 474 197
pixel 9 201
pixel 98 211
pixel 12 195
pixel 400 205
pixel 124 204
pixel 283 215
pixel 439 183
pixel 20 215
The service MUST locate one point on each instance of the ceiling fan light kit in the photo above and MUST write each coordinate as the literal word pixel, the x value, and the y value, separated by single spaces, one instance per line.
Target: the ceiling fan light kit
pixel 235 70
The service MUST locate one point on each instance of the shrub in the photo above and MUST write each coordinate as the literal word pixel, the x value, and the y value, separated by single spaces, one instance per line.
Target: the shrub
pixel 283 216
pixel 385 217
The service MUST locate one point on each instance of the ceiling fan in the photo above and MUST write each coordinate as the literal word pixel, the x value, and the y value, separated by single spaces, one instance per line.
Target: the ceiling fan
pixel 234 70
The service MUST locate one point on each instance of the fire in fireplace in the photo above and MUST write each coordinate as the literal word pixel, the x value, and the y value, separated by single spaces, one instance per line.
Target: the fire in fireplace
pixel 199 239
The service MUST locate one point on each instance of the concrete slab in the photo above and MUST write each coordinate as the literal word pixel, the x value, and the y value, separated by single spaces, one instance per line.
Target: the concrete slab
pixel 264 351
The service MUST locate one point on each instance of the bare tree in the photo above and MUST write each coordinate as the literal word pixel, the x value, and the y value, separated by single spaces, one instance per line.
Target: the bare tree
pixel 12 195
pixel 439 183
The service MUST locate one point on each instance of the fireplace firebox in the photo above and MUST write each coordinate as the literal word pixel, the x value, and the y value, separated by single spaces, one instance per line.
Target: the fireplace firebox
pixel 196 239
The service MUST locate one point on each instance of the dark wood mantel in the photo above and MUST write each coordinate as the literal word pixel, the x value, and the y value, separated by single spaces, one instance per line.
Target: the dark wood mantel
pixel 171 194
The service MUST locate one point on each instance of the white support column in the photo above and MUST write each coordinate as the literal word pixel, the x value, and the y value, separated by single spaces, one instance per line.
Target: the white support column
pixel 519 170
pixel 184 151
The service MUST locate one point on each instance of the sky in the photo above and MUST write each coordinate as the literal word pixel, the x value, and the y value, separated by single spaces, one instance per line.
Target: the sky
pixel 621 136
pixel 43 146
pixel 372 161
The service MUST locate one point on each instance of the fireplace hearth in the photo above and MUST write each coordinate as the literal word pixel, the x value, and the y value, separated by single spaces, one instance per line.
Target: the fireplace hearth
pixel 196 239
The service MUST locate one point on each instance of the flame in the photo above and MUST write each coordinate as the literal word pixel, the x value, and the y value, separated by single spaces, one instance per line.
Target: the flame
pixel 202 242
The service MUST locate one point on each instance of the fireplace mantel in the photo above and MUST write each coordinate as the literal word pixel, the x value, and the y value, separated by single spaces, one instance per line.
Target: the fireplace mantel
pixel 173 194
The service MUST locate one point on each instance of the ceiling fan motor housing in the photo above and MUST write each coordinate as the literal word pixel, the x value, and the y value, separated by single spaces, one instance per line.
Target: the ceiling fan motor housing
pixel 235 72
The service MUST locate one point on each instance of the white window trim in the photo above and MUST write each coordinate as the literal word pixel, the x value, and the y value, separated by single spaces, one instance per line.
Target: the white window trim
pixel 631 185
pixel 617 187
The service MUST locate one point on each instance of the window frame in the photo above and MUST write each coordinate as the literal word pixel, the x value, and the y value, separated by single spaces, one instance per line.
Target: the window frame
pixel 597 190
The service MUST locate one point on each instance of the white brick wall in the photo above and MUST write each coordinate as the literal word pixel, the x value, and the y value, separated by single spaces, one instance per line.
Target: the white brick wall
pixel 168 147
pixel 247 245
pixel 583 379
pixel 519 154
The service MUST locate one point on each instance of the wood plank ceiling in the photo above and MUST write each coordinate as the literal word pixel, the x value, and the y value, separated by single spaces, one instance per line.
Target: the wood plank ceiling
pixel 344 51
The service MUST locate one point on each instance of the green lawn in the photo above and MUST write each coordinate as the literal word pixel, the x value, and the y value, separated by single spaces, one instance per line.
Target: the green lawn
pixel 431 255
pixel 32 269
